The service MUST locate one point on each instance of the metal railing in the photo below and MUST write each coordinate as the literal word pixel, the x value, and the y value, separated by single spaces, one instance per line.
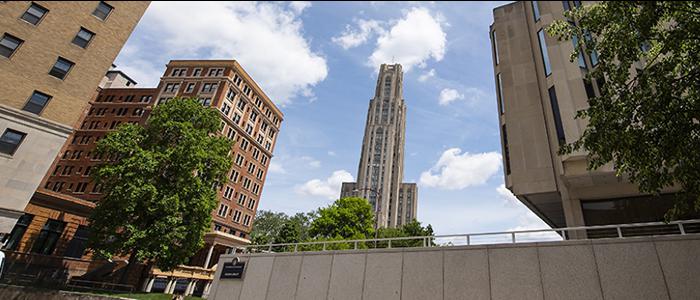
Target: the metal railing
pixel 485 238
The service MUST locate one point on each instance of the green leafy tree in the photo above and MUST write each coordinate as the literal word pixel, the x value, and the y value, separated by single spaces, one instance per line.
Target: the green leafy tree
pixel 646 122
pixel 410 229
pixel 266 227
pixel 345 218
pixel 159 185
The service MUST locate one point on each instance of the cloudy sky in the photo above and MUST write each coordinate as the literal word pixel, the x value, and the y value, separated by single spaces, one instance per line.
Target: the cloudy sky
pixel 318 62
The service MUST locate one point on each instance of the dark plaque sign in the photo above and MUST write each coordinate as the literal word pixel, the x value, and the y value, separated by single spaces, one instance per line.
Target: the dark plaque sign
pixel 232 270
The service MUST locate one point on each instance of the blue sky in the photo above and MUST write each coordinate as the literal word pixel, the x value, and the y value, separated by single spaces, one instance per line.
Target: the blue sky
pixel 318 62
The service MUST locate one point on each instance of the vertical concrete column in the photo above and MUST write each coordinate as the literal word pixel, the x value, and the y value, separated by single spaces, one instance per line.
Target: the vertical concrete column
pixel 149 284
pixel 207 289
pixel 190 287
pixel 168 286
pixel 209 254
pixel 171 285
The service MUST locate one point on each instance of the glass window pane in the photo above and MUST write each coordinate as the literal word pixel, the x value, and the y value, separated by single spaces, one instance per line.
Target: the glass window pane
pixel 10 141
pixel 8 45
pixel 61 68
pixel 36 102
pixel 536 10
pixel 501 105
pixel 557 116
pixel 495 47
pixel 102 11
pixel 543 51
pixel 34 14
pixel 17 233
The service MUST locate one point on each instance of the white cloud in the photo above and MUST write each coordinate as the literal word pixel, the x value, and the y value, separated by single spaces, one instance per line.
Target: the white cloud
pixel 299 6
pixel 353 37
pixel 310 161
pixel 331 153
pixel 266 38
pixel 449 95
pixel 507 195
pixel 472 95
pixel 411 41
pixel 454 171
pixel 276 168
pixel 328 188
pixel 427 75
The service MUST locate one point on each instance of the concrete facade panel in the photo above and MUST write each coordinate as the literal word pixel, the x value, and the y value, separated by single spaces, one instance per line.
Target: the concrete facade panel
pixel 567 278
pixel 284 277
pixel 383 276
pixel 257 277
pixel 515 274
pixel 464 274
pixel 680 262
pixel 422 275
pixel 630 271
pixel 314 277
pixel 347 276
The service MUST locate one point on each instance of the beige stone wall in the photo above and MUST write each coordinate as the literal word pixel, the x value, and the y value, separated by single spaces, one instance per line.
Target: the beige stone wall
pixel 27 70
pixel 21 173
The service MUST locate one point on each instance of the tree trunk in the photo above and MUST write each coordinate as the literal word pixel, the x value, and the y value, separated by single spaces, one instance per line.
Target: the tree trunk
pixel 132 260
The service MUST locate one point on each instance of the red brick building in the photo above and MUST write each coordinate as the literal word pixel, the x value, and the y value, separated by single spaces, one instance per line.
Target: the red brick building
pixel 55 220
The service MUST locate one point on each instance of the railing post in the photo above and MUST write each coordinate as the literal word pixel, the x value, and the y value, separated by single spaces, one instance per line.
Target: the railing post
pixel 425 242
pixel 269 248
pixel 619 232
pixel 355 245
pixel 324 246
pixel 295 247
pixel 389 243
pixel 469 242
pixel 512 237
pixel 680 226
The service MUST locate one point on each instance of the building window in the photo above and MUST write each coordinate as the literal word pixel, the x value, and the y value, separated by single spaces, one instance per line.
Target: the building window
pixel 581 61
pixel 9 44
pixel 590 93
pixel 36 102
pixel 171 87
pixel 593 56
pixel 209 87
pixel 543 52
pixel 506 151
pixel 557 116
pixel 190 87
pixel 501 103
pixel 17 233
pixel 34 13
pixel 494 42
pixel 223 209
pixel 230 94
pixel 46 242
pixel 246 220
pixel 237 216
pixel 102 10
pixel 10 141
pixel 77 245
pixel 60 68
pixel 536 10
pixel 197 72
pixel 228 193
pixel 83 37
pixel 566 5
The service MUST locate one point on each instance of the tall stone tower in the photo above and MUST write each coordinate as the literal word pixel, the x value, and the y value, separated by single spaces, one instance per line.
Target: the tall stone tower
pixel 380 171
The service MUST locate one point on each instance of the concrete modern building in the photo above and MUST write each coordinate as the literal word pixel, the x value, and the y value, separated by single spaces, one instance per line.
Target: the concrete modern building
pixel 539 91
pixel 61 205
pixel 380 171
pixel 52 57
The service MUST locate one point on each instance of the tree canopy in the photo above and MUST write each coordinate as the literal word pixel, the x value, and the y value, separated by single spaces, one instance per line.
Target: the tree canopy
pixel 159 185
pixel 346 218
pixel 646 120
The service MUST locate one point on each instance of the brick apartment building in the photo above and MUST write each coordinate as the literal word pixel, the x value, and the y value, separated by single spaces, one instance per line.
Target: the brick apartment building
pixel 55 220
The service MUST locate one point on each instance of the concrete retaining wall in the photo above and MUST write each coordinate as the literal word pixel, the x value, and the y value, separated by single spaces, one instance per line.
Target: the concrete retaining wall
pixel 631 268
